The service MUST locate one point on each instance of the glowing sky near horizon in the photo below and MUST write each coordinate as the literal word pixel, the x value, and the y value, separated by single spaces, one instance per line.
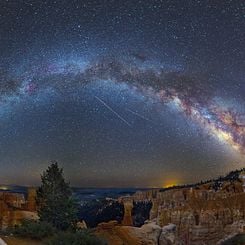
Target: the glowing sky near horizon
pixel 127 93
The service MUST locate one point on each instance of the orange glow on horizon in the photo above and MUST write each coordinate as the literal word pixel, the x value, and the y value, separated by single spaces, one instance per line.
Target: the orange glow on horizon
pixel 170 183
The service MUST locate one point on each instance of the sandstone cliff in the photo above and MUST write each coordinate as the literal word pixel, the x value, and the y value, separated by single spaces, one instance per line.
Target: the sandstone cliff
pixel 202 213
pixel 148 234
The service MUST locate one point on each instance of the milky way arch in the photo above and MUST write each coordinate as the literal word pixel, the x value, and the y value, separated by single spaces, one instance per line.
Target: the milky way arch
pixel 186 93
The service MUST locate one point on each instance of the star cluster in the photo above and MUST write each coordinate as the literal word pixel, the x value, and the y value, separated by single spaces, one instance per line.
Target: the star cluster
pixel 122 93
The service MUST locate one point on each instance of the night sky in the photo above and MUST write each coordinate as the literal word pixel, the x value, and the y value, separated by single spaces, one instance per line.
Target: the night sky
pixel 122 93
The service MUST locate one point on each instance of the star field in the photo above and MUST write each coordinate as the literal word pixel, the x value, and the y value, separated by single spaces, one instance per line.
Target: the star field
pixel 122 93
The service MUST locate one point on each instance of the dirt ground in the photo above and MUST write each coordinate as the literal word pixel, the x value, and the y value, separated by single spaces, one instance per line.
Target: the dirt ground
pixel 19 241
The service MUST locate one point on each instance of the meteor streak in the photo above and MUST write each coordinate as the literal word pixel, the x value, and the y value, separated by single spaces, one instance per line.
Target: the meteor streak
pixel 114 112
pixel 139 115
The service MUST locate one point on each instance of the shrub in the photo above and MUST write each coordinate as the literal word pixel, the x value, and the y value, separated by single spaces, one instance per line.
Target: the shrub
pixel 34 230
pixel 75 238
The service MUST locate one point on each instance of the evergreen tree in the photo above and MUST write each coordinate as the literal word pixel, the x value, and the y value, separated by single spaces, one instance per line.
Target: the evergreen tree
pixel 54 199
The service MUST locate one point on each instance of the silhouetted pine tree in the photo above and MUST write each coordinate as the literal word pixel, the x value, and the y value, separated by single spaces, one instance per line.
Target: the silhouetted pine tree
pixel 54 199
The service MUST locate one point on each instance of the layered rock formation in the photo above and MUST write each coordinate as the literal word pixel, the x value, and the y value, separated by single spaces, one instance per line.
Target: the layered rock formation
pixel 128 206
pixel 201 214
pixel 14 208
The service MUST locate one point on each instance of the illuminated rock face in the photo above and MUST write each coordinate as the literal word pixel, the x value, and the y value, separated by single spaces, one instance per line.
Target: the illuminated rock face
pixel 14 208
pixel 154 209
pixel 82 225
pixel 148 234
pixel 16 200
pixel 127 218
pixel 202 215
pixel 116 234
pixel 31 199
